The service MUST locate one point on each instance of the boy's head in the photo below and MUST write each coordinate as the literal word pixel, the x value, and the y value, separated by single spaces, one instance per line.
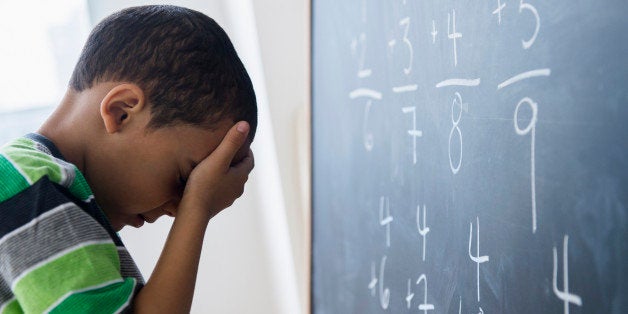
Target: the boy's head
pixel 167 84
pixel 182 60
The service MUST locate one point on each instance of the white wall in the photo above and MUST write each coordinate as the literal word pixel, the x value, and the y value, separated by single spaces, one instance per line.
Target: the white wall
pixel 284 33
pixel 256 254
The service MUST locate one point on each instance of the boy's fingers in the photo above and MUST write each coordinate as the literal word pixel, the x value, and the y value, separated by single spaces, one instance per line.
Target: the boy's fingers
pixel 246 165
pixel 252 158
pixel 231 143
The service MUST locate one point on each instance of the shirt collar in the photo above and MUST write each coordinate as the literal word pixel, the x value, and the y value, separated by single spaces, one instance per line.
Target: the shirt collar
pixel 46 142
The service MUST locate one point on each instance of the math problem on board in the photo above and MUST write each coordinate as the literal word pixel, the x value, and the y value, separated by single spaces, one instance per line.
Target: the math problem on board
pixel 458 147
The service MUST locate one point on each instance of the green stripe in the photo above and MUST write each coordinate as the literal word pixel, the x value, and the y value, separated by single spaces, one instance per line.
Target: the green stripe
pixel 12 308
pixel 79 187
pixel 12 181
pixel 107 299
pixel 79 269
pixel 32 163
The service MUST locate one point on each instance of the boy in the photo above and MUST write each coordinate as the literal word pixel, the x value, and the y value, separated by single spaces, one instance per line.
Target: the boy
pixel 147 128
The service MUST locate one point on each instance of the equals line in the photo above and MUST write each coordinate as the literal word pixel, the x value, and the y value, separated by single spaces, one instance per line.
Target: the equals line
pixel 523 76
pixel 459 82
pixel 365 92
pixel 405 88
pixel 365 73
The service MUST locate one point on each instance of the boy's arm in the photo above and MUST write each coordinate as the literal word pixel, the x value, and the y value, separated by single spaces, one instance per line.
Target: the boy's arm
pixel 212 186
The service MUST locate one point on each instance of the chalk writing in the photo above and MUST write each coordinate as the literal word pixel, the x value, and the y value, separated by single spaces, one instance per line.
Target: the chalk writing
pixel 373 283
pixel 361 55
pixel 414 133
pixel 410 295
pixel 452 34
pixel 384 293
pixel 365 92
pixel 459 82
pixel 498 11
pixel 383 73
pixel 564 294
pixel 384 216
pixel 531 128
pixel 405 88
pixel 477 258
pixel 424 306
pixel 406 24
pixel 523 76
pixel 368 136
pixel 526 6
pixel 425 229
pixel 455 121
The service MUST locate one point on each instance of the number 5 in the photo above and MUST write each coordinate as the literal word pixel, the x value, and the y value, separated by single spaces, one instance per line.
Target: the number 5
pixel 526 6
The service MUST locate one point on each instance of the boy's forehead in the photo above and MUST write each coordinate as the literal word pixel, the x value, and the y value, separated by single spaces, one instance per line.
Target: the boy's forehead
pixel 194 143
pixel 204 141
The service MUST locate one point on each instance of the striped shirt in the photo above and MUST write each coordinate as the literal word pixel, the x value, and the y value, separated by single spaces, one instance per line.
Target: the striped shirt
pixel 58 251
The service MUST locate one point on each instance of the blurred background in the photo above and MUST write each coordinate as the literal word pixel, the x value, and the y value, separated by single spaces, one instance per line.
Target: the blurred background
pixel 256 254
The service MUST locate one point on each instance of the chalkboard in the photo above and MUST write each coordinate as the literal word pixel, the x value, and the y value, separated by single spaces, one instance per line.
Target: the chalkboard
pixel 470 156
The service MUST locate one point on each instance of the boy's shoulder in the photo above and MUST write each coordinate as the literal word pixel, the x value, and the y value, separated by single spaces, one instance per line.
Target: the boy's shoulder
pixel 36 179
pixel 26 160
pixel 59 252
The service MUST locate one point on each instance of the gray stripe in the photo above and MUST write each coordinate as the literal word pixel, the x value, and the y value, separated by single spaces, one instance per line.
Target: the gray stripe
pixel 5 291
pixel 68 170
pixel 42 148
pixel 128 268
pixel 56 232
pixel 66 167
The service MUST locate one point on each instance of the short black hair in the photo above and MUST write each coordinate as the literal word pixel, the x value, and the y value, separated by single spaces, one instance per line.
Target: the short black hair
pixel 181 58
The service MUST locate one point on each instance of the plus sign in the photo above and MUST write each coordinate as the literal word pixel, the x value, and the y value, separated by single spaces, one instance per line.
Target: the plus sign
pixel 409 296
pixel 373 280
pixel 434 32
pixel 498 11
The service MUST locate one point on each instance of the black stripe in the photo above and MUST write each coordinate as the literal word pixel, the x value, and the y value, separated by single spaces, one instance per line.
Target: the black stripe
pixel 41 197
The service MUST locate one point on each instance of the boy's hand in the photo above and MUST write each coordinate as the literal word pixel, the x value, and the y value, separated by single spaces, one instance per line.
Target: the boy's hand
pixel 217 181
pixel 212 186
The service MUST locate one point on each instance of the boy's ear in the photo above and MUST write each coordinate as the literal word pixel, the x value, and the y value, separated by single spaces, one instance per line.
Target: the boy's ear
pixel 121 105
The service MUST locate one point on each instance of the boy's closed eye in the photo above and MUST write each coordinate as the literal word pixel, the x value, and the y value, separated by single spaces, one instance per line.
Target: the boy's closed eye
pixel 182 181
pixel 184 175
